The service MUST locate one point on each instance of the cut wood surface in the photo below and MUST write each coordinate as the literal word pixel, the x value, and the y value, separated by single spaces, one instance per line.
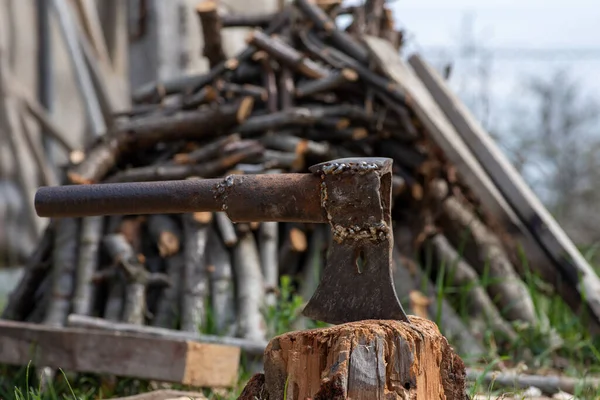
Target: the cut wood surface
pixel 364 360
pixel 569 261
pixel 120 354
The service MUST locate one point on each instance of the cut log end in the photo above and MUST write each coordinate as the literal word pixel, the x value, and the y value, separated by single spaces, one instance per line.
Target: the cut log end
pixel 246 106
pixel 350 75
pixel 206 6
pixel 232 64
pixel 78 179
pixel 76 157
pixel 374 359
pixel 298 240
pixel 168 244
pixel 202 217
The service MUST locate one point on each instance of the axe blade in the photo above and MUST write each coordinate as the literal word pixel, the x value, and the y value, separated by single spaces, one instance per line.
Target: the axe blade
pixel 355 288
pixel 357 279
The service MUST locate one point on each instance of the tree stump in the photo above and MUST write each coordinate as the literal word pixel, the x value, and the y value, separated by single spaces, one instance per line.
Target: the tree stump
pixel 374 359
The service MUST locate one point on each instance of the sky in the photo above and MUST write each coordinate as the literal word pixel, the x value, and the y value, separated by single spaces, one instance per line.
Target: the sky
pixel 523 38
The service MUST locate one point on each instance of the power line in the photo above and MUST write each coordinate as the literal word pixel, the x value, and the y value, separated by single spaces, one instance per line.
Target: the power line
pixel 547 54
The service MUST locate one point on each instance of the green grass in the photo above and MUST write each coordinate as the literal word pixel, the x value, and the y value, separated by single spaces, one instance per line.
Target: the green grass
pixel 579 354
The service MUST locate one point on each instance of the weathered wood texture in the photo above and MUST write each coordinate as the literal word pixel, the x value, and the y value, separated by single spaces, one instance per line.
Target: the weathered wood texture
pixel 120 354
pixel 165 394
pixel 567 262
pixel 364 360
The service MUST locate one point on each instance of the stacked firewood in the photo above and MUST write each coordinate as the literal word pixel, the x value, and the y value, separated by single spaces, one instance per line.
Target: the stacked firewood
pixel 303 91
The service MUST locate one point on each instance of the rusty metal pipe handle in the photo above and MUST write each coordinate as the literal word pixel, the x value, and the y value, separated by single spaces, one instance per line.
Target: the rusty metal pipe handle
pixel 245 198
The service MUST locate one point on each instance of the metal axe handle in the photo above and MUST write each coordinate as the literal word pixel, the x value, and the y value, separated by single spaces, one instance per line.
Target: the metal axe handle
pixel 245 198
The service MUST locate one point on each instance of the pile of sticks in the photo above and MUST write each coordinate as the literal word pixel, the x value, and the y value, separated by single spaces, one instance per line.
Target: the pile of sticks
pixel 303 91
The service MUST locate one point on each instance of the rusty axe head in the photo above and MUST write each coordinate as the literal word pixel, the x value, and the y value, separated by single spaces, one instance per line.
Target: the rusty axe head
pixel 356 283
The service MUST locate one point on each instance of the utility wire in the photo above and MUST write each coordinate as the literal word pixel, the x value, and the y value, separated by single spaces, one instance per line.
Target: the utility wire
pixel 516 53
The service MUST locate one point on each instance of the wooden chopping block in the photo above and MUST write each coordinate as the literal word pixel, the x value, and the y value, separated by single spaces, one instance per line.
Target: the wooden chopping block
pixel 374 359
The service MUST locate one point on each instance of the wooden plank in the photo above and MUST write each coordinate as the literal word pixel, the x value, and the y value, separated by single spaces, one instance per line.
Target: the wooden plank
pixel 121 354
pixel 544 228
pixel 250 347
pixel 165 394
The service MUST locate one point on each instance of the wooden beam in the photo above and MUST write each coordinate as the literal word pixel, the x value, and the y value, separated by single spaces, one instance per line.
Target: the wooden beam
pixel 471 171
pixel 121 354
pixel 573 268
pixel 250 347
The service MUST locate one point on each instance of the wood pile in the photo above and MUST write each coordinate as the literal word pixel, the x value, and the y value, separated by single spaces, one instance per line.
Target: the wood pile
pixel 303 91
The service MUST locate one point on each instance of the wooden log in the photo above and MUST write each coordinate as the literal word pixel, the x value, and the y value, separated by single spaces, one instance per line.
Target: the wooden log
pixel 374 359
pixel 409 275
pixel 91 25
pixel 21 300
pixel 247 150
pixel 119 353
pixel 168 308
pixel 247 20
pixel 328 83
pixel 481 308
pixel 89 246
pixel 64 265
pixel 166 233
pixel 292 248
pixel 226 229
pixel 196 227
pixel 146 132
pixel 340 39
pixel 211 32
pixel 208 151
pixel 310 273
pixel 374 15
pixel 249 283
pixel 268 234
pixel 44 169
pixel 549 384
pixel 222 290
pixel 485 251
pixel 138 278
pixel 48 127
pixel 70 35
pixel 113 309
pixel 286 55
pixel 287 87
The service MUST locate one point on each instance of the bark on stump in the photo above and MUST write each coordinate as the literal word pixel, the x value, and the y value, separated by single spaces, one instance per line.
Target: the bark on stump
pixel 361 360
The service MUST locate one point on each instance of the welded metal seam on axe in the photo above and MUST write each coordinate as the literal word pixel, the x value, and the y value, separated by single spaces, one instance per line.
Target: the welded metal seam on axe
pixel 356 196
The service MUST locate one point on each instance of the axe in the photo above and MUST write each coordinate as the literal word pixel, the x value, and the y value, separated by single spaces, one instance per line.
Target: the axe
pixel 352 195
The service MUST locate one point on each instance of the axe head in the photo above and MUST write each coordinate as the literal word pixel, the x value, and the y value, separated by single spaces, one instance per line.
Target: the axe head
pixel 356 283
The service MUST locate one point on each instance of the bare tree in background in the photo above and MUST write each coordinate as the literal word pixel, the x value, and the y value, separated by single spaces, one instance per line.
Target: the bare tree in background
pixel 554 141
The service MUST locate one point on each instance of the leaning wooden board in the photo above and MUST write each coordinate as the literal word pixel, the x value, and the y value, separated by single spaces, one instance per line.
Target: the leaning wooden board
pixel 458 152
pixel 551 237
pixel 121 354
